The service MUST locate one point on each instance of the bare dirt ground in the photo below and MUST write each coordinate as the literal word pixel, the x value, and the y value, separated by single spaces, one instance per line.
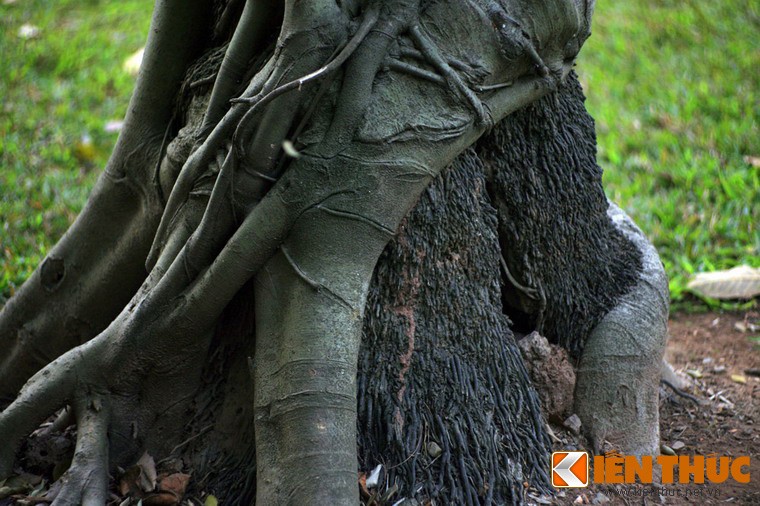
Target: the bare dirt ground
pixel 717 363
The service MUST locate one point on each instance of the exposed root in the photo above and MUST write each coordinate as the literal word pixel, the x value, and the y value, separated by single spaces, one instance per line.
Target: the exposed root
pixel 617 387
pixel 449 74
pixel 47 391
pixel 680 392
pixel 86 481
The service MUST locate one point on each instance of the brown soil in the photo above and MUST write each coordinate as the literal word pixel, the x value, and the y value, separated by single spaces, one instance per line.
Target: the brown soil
pixel 714 348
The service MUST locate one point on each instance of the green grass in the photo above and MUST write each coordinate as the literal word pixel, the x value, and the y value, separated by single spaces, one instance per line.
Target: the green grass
pixel 675 89
pixel 673 86
pixel 58 90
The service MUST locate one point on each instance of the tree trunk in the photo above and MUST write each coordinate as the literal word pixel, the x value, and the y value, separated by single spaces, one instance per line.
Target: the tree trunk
pixel 340 260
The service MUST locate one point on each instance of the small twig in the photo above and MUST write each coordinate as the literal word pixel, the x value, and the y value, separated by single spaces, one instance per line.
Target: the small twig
pixel 531 293
pixel 202 82
pixel 203 431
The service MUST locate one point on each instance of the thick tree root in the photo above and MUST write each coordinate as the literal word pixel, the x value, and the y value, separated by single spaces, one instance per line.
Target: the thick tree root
pixel 86 481
pixel 617 388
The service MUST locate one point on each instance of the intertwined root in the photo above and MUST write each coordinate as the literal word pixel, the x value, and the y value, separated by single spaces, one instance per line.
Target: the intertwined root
pixel 352 178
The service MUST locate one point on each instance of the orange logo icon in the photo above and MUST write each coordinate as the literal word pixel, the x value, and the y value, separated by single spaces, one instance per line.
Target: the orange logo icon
pixel 569 469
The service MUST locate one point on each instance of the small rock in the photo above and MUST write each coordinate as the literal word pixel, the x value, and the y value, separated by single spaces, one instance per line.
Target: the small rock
pixel 540 499
pixel 719 369
pixel 746 327
pixel 573 423
pixel 678 445
pixel 534 346
pixel 434 450
pixel 667 450
pixel 578 500
pixel 707 360
pixel 752 160
pixel 600 498
pixel 27 31
pixel 552 374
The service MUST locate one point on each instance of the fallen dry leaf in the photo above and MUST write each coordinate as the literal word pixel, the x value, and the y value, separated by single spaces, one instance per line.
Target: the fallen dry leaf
pixel 753 160
pixel 175 483
pixel 363 485
pixel 139 479
pixel 161 499
pixel 742 282
pixel 148 474
pixel 738 378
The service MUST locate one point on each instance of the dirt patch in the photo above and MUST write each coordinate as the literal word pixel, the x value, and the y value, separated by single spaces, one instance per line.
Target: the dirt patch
pixel 714 358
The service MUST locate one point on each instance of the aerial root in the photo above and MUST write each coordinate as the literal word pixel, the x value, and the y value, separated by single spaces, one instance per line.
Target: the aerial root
pixel 366 25
pixel 455 82
pixel 240 123
pixel 315 285
pixel 680 392
pixel 86 481
pixel 215 226
pixel 284 111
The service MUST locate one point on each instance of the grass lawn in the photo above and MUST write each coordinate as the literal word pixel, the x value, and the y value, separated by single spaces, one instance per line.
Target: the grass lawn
pixel 675 90
pixel 58 89
pixel 673 86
